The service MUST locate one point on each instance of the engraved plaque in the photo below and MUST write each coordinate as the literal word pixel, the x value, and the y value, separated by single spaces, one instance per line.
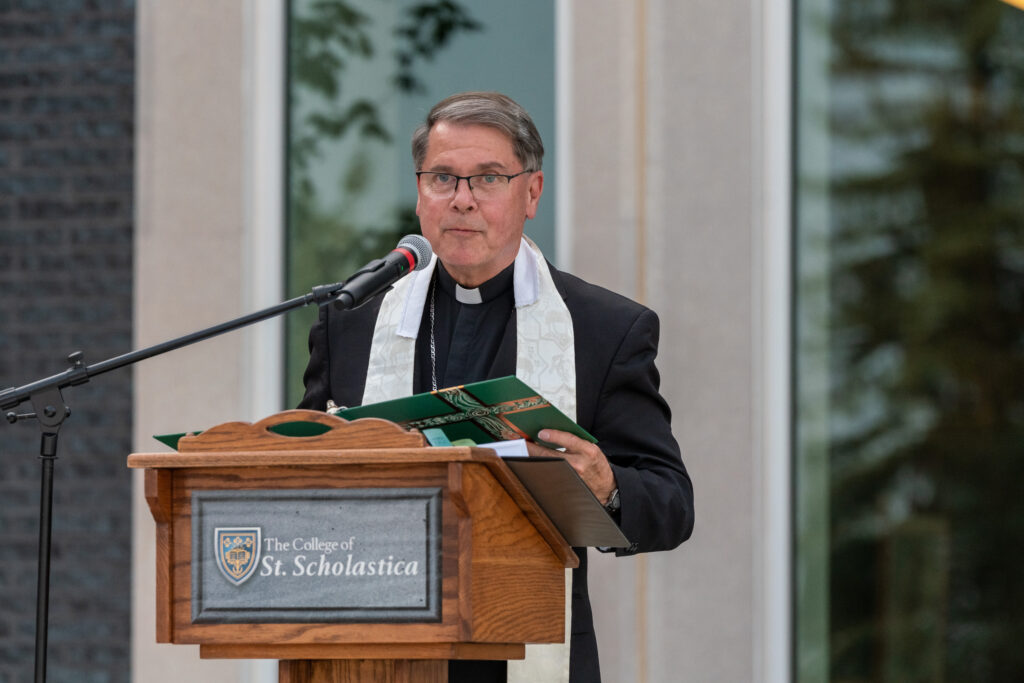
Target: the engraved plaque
pixel 324 555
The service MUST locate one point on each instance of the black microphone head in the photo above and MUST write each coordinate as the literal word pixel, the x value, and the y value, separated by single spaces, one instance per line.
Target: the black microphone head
pixel 420 247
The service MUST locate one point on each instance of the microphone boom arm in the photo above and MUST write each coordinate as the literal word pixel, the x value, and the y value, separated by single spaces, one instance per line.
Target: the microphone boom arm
pixel 51 410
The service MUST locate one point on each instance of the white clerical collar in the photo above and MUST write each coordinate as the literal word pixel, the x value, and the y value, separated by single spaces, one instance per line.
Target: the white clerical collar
pixel 467 296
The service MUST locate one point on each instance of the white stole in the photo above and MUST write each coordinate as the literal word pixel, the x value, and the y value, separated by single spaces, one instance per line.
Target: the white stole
pixel 545 359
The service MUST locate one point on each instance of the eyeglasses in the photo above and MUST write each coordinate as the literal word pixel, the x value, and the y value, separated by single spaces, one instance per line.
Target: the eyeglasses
pixel 482 185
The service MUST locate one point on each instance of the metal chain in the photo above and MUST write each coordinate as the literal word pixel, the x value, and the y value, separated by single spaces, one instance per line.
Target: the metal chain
pixel 433 350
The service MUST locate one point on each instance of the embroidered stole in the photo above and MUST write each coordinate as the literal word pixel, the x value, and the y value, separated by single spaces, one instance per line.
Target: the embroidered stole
pixel 545 359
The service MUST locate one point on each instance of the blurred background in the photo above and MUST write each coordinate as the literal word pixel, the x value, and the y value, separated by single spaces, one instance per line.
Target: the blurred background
pixel 822 199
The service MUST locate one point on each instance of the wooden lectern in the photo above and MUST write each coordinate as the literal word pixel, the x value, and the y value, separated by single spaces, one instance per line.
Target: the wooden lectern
pixel 489 577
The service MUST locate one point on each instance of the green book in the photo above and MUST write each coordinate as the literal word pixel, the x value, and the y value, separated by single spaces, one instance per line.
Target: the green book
pixel 481 412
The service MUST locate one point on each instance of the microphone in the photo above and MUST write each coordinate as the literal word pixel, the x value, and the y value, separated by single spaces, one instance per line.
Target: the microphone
pixel 412 253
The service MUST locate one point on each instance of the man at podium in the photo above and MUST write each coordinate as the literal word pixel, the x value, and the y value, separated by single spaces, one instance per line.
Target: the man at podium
pixel 490 305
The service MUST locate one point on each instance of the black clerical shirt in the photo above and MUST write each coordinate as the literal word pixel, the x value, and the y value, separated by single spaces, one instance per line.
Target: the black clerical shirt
pixel 469 346
pixel 467 336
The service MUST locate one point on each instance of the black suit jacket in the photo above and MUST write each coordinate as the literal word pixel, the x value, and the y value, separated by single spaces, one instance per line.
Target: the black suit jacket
pixel 617 400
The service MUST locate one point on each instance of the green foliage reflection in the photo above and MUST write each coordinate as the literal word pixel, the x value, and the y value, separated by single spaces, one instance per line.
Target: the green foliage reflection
pixel 926 340
pixel 332 49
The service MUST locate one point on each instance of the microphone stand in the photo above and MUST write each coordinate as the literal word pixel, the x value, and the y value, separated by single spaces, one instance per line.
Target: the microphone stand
pixel 51 411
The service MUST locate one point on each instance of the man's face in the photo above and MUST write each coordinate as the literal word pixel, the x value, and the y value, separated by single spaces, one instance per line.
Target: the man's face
pixel 475 238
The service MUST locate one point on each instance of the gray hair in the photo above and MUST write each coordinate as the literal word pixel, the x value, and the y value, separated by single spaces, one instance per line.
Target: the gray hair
pixel 490 109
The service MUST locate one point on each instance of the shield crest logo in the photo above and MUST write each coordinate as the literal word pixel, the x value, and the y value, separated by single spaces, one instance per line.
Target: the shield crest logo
pixel 237 550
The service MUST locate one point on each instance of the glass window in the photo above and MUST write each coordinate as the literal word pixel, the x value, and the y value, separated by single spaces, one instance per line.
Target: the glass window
pixel 362 76
pixel 909 333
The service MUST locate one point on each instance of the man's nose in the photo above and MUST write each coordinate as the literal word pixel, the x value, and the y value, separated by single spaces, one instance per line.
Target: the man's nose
pixel 463 199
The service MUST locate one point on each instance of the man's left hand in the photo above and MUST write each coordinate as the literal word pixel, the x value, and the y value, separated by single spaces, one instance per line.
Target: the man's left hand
pixel 586 458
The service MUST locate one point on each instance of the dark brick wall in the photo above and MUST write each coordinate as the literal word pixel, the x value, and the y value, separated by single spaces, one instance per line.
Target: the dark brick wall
pixel 66 149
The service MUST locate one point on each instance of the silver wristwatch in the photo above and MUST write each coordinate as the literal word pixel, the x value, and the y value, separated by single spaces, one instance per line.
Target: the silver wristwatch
pixel 613 504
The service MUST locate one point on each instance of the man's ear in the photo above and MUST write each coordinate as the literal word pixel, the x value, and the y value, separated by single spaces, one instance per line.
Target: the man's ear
pixel 534 189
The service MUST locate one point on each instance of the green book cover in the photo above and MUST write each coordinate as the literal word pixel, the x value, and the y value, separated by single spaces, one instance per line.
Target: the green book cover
pixel 492 410
pixel 286 429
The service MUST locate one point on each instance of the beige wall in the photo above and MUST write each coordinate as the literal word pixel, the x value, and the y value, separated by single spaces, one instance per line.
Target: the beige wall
pixel 667 157
pixel 194 92
pixel 668 89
